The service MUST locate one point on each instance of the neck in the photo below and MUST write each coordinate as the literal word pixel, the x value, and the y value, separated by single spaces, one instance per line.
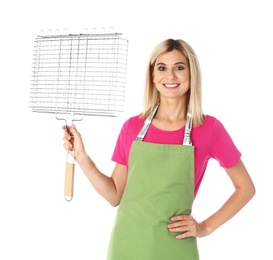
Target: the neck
pixel 171 111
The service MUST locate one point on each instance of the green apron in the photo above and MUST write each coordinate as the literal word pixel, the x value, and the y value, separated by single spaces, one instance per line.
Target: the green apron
pixel 160 185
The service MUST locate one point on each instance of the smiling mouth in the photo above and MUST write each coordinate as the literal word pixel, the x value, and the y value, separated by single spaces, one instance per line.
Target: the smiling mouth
pixel 171 85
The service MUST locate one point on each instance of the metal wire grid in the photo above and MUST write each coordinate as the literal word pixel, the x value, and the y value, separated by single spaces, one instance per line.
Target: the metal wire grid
pixel 83 74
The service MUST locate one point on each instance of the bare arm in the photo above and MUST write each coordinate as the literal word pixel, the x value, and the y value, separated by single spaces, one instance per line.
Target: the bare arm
pixel 110 188
pixel 244 191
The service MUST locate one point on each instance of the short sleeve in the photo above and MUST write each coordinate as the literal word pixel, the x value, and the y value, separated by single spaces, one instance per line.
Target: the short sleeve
pixel 223 148
pixel 119 154
pixel 127 135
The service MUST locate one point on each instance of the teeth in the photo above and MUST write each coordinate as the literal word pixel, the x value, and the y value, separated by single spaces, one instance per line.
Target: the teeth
pixel 171 85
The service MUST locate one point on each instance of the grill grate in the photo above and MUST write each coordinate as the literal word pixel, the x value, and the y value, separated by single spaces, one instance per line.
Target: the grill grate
pixel 83 74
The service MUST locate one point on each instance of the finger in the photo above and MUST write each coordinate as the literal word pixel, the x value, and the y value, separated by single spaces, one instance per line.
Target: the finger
pixel 186 231
pixel 177 224
pixel 67 145
pixel 179 229
pixel 74 132
pixel 181 217
pixel 184 235
pixel 72 128
pixel 181 220
pixel 67 136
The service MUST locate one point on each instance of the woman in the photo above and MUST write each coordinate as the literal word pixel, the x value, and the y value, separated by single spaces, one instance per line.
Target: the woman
pixel 161 157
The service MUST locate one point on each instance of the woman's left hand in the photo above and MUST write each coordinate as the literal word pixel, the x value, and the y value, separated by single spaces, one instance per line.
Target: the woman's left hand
pixel 188 226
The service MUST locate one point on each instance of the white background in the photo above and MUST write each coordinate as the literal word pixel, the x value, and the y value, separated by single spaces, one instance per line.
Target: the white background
pixel 233 40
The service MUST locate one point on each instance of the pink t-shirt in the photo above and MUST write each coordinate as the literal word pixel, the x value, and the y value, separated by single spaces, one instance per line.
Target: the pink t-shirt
pixel 211 140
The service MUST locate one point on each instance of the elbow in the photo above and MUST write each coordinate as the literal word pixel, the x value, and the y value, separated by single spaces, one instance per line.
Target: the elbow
pixel 114 199
pixel 114 203
pixel 253 191
pixel 250 192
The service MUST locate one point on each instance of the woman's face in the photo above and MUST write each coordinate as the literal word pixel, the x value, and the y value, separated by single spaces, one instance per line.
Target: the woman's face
pixel 171 75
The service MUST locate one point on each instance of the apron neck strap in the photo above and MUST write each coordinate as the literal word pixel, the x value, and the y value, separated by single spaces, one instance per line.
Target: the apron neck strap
pixel 146 125
pixel 188 128
pixel 147 122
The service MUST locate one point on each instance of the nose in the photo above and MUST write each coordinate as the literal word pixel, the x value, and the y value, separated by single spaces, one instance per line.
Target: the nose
pixel 171 73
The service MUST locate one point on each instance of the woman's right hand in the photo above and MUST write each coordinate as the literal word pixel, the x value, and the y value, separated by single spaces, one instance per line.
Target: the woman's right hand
pixel 73 141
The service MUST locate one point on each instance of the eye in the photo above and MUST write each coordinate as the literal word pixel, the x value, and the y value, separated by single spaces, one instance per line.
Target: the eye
pixel 180 68
pixel 161 68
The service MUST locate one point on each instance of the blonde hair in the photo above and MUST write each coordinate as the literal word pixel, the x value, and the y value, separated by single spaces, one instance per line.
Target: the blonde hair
pixel 151 94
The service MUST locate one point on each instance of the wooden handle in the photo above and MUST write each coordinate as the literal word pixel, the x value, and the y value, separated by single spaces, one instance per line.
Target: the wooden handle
pixel 69 181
